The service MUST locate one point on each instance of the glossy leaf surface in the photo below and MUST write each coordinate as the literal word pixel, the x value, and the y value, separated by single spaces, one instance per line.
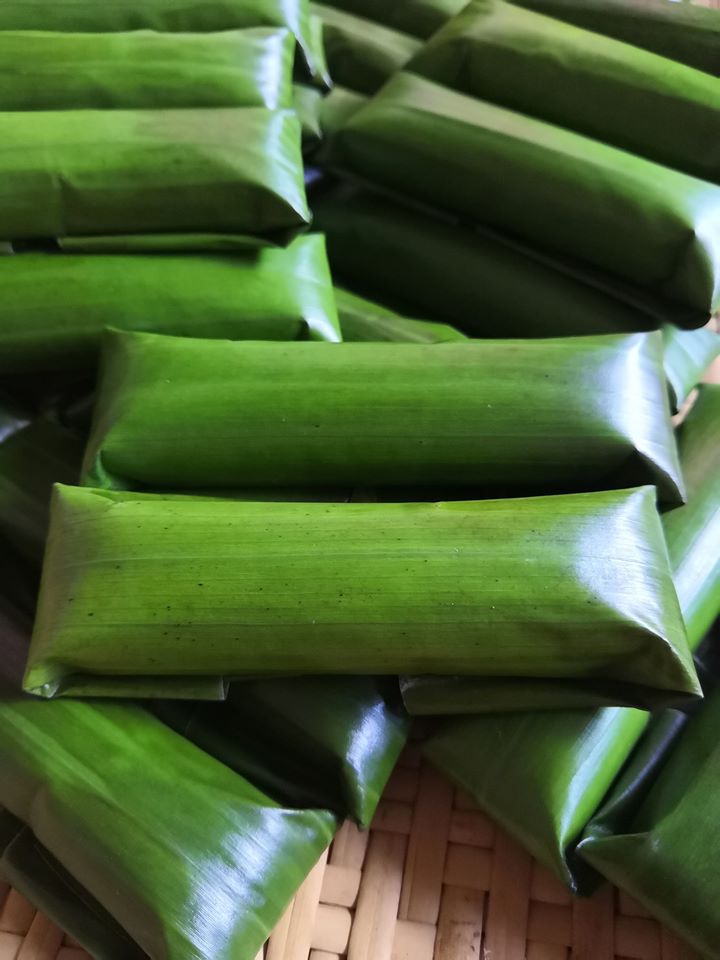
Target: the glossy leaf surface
pixel 685 32
pixel 668 854
pixel 57 305
pixel 229 170
pixel 688 354
pixel 547 809
pixel 516 173
pixel 323 741
pixel 361 54
pixel 206 875
pixel 451 416
pixel 61 71
pixel 425 266
pixel 552 70
pixel 164 16
pixel 151 586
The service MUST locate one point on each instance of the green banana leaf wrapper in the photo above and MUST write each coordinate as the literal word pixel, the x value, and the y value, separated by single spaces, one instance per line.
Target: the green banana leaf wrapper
pixel 333 741
pixel 684 32
pixel 666 855
pixel 65 71
pixel 418 18
pixel 58 305
pixel 362 320
pixel 362 54
pixel 688 354
pixel 441 417
pixel 167 16
pixel 31 460
pixel 640 221
pixel 691 532
pixel 542 67
pixel 206 876
pixel 544 775
pixel 426 266
pixel 229 170
pixel 171 588
pixel 307 103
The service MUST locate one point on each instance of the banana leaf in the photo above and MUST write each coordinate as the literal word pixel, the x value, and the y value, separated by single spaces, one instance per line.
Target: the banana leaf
pixel 666 856
pixel 642 222
pixel 32 870
pixel 362 320
pixel 552 70
pixel 61 71
pixel 205 877
pixel 307 103
pixel 544 775
pixel 184 414
pixel 430 267
pixel 31 461
pixel 361 54
pixel 684 32
pixel 57 305
pixel 146 586
pixel 691 532
pixel 336 108
pixel 234 170
pixel 333 740
pixel 688 354
pixel 166 16
pixel 418 18
pixel 12 417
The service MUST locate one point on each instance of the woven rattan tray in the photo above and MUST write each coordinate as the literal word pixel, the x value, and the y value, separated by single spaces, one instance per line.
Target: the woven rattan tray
pixel 433 879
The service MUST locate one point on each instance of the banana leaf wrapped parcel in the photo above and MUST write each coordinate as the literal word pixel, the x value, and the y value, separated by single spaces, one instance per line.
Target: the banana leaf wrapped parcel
pixel 686 32
pixel 417 18
pixel 441 417
pixel 61 71
pixel 142 591
pixel 168 16
pixel 204 876
pixel 552 70
pixel 666 854
pixel 641 222
pixel 426 266
pixel 228 170
pixel 544 775
pixel 58 304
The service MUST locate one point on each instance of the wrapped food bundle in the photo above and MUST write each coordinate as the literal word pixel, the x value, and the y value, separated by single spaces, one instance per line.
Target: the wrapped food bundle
pixel 450 416
pixel 61 71
pixel 167 16
pixel 230 170
pixel 539 182
pixel 60 303
pixel 133 587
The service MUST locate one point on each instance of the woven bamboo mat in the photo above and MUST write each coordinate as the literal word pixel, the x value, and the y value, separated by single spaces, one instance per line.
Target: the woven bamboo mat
pixel 433 879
